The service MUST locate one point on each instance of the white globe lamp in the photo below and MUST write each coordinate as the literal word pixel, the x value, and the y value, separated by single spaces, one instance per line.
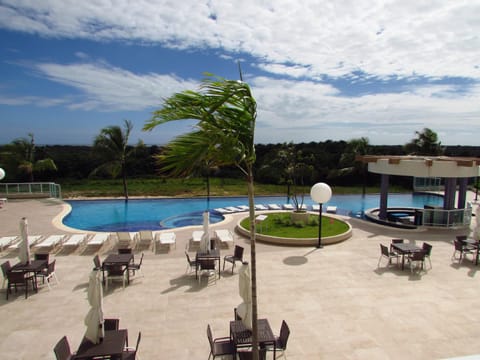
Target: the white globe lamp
pixel 320 193
pixel 2 174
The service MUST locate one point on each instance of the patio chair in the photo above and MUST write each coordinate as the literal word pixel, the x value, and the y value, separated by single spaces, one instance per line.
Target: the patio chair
pixel 42 256
pixel 208 266
pixel 62 350
pixel 48 274
pixel 132 267
pixel 111 324
pixel 282 339
pixel 462 250
pixel 130 353
pixel 16 279
pixel 385 253
pixel 415 259
pixel 428 251
pixel 247 354
pixel 6 267
pixel 115 272
pixel 395 241
pixel 191 264
pixel 237 256
pixel 97 265
pixel 219 346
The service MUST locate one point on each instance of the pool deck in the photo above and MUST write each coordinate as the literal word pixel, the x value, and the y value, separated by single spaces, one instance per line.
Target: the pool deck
pixel 338 304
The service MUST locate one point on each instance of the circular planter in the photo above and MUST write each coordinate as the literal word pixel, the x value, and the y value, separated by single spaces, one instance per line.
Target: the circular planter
pixel 327 240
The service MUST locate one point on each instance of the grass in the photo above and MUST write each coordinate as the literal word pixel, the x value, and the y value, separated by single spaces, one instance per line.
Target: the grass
pixel 280 225
pixel 184 188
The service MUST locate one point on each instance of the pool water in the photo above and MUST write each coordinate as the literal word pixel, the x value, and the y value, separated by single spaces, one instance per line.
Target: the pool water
pixel 158 214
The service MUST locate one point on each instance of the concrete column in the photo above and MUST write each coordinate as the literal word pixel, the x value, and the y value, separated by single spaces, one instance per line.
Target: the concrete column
pixel 462 193
pixel 383 196
pixel 450 190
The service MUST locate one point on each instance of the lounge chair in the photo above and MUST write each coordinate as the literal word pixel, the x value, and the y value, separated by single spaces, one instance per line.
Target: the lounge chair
pixel 225 236
pixel 6 241
pixel 332 209
pixel 75 240
pixel 144 238
pixel 274 207
pixel 32 240
pixel 50 242
pixel 315 207
pixel 165 239
pixel 197 236
pixel 260 207
pixel 233 209
pixel 125 239
pixel 243 207
pixel 223 211
pixel 287 206
pixel 98 239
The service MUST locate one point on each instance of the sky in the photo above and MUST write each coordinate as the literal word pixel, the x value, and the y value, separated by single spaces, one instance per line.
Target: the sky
pixel 319 70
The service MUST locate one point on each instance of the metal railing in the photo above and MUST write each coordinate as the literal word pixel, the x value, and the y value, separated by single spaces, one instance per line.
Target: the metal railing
pixel 446 218
pixel 35 189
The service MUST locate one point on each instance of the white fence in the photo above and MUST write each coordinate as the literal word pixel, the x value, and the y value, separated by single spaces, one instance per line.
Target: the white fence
pixel 26 190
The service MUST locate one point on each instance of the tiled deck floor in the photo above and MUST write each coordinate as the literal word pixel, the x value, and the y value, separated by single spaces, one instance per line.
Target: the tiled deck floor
pixel 337 303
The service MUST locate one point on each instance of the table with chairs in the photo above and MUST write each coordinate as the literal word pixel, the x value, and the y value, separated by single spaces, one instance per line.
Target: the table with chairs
pixel 409 252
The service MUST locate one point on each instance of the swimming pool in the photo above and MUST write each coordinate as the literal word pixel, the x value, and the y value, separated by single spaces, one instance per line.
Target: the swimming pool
pixel 158 214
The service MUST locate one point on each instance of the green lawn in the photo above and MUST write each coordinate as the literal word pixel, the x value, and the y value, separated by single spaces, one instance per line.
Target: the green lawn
pixel 280 225
pixel 184 187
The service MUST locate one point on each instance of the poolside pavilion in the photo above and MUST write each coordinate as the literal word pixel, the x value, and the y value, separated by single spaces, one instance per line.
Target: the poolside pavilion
pixel 455 171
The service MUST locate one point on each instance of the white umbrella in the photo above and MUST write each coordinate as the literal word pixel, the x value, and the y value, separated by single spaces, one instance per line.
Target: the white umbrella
pixel 94 318
pixel 244 310
pixel 205 241
pixel 24 251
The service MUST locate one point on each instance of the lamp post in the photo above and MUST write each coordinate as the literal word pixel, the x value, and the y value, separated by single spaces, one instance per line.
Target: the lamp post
pixel 320 193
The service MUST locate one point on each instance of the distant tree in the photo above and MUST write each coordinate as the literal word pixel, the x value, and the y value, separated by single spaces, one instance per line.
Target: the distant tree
pixel 112 146
pixel 426 143
pixel 358 146
pixel 22 153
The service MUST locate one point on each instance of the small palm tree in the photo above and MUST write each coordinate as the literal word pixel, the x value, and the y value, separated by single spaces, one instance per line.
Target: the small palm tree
pixel 22 150
pixel 224 135
pixel 112 145
pixel 426 143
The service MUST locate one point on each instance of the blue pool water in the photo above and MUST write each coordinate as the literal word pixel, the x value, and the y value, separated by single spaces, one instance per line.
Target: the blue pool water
pixel 157 214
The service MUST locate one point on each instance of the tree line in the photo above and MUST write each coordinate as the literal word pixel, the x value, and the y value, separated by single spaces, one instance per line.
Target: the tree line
pixel 282 163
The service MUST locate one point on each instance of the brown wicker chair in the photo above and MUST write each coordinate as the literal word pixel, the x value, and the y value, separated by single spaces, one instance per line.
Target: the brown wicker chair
pixel 385 253
pixel 237 256
pixel 111 324
pixel 219 346
pixel 16 279
pixel 130 353
pixel 62 350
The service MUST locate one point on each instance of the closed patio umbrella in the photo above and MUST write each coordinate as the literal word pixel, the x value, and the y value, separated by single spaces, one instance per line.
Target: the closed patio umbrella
pixel 205 241
pixel 244 310
pixel 94 318
pixel 24 250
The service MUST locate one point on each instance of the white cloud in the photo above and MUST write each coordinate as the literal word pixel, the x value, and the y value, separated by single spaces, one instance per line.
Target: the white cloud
pixel 107 88
pixel 401 38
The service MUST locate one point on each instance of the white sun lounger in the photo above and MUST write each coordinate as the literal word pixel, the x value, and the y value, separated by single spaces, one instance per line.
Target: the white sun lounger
pixel 315 207
pixel 197 235
pixel 165 238
pixel 260 207
pixel 225 236
pixel 243 207
pixel 274 207
pixel 332 209
pixel 144 238
pixel 50 242
pixel 125 238
pixel 6 241
pixel 223 210
pixel 98 239
pixel 75 240
pixel 32 240
pixel 233 209
pixel 288 206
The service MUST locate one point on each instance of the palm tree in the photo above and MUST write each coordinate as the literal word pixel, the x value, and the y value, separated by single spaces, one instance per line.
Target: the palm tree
pixel 226 114
pixel 22 150
pixel 112 145
pixel 426 143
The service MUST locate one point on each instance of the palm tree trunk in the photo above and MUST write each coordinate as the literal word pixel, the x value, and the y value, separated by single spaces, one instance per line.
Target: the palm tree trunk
pixel 253 267
pixel 124 180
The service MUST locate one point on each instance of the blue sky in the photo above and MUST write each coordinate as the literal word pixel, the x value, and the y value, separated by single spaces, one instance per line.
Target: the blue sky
pixel 319 70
